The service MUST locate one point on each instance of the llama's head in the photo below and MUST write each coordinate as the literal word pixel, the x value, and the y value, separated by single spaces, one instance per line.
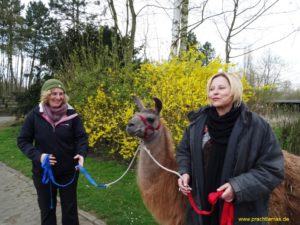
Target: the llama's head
pixel 145 124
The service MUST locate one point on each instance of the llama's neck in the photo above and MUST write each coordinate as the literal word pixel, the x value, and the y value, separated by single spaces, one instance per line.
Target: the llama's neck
pixel 162 150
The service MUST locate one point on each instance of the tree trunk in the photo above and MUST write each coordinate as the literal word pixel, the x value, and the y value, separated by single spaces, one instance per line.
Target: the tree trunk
pixel 21 72
pixel 230 30
pixel 115 33
pixel 175 28
pixel 77 21
pixel 184 25
pixel 11 72
pixel 32 66
pixel 130 48
pixel 243 16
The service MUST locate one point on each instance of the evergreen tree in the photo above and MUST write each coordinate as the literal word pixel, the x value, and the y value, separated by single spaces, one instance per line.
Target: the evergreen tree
pixel 10 34
pixel 70 12
pixel 192 40
pixel 40 32
pixel 208 51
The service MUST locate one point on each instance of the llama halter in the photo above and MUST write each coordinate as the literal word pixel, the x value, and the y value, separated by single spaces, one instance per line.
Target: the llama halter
pixel 149 126
pixel 228 209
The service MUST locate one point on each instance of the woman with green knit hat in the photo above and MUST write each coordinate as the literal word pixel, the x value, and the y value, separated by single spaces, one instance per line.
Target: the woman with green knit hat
pixel 53 131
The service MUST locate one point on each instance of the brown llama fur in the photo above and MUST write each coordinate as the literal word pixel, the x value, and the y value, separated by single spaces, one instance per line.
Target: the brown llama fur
pixel 285 199
pixel 159 188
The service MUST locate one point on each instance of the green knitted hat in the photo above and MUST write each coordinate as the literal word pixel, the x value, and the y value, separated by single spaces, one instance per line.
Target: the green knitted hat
pixel 53 83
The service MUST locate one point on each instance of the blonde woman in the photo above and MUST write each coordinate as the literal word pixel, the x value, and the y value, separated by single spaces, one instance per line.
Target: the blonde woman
pixel 54 130
pixel 228 148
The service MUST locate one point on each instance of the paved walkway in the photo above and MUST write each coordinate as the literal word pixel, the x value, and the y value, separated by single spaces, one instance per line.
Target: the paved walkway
pixel 18 201
pixel 6 119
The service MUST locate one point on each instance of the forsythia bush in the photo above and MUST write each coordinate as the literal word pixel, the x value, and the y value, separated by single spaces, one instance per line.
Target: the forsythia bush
pixel 105 121
pixel 179 83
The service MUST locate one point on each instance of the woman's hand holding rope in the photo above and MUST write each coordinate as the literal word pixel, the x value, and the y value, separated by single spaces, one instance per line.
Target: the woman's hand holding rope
pixel 80 159
pixel 52 159
pixel 183 182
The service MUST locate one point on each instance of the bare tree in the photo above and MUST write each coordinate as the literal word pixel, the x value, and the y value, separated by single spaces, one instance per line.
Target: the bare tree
pixel 285 86
pixel 269 69
pixel 180 22
pixel 241 16
pixel 264 71
pixel 115 29
pixel 131 17
pixel 248 69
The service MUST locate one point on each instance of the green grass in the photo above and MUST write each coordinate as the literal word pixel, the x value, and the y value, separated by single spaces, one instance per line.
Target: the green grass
pixel 120 204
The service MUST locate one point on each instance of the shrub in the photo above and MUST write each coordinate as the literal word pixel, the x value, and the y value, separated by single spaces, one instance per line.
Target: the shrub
pixel 179 83
pixel 105 121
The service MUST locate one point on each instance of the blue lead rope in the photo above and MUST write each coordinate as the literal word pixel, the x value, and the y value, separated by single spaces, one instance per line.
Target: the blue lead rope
pixel 48 177
pixel 48 174
pixel 89 178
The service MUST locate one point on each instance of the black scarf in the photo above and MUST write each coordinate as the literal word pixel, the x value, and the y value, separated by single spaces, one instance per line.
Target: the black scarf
pixel 219 129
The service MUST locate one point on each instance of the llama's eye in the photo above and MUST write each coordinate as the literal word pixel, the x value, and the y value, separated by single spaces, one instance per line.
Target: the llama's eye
pixel 150 120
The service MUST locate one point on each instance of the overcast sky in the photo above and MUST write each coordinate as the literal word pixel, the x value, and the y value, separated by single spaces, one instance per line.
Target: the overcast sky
pixel 154 25
pixel 279 23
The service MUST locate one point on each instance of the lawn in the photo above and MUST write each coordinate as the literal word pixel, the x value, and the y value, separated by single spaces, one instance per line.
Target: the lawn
pixel 120 204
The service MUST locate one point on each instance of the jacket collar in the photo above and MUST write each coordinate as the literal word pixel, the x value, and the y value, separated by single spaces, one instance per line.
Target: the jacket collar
pixel 70 115
pixel 41 110
pixel 194 115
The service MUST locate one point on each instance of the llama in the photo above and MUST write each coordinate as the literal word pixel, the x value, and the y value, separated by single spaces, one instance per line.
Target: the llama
pixel 159 188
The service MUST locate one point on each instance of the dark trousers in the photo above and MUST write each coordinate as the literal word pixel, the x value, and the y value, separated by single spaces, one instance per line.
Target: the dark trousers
pixel 68 200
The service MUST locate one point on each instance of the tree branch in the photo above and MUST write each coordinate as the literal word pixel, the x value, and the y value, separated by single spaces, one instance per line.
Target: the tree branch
pixel 263 46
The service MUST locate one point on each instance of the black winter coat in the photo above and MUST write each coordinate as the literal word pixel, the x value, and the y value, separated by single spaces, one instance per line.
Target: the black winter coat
pixel 64 140
pixel 253 165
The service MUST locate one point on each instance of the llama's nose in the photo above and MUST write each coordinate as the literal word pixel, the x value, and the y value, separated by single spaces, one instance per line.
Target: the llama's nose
pixel 130 127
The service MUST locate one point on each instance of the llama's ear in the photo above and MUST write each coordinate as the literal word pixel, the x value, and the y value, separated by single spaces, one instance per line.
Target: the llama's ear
pixel 158 104
pixel 139 103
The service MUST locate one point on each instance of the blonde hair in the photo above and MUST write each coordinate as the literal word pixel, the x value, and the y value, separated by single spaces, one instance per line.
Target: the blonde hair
pixel 236 86
pixel 45 95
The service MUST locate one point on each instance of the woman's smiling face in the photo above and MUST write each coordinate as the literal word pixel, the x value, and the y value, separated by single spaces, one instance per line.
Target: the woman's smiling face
pixel 220 96
pixel 56 98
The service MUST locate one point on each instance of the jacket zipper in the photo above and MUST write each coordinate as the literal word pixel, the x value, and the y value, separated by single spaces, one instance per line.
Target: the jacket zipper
pixel 66 118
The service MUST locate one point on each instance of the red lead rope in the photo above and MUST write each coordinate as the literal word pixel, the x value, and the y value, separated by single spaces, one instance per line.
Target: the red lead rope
pixel 228 209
